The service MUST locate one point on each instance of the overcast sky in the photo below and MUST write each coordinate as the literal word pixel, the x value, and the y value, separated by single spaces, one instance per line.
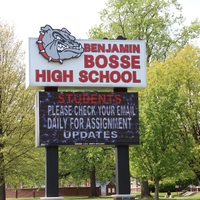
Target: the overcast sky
pixel 78 16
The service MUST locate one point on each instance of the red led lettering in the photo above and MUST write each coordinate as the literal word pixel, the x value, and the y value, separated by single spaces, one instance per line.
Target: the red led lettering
pixel 61 98
pixel 102 98
pixel 77 99
pixel 118 98
pixel 68 97
pixel 110 97
pixel 86 98
pixel 93 98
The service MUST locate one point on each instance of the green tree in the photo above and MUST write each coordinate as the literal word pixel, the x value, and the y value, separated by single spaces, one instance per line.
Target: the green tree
pixel 17 113
pixel 160 147
pixel 167 138
pixel 89 163
pixel 159 23
pixel 184 65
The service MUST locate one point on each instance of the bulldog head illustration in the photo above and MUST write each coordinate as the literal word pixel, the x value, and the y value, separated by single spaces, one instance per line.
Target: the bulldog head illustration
pixel 57 45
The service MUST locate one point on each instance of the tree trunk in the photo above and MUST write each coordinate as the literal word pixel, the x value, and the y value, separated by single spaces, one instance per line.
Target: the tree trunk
pixel 93 192
pixel 2 180
pixel 198 177
pixel 198 180
pixel 157 189
pixel 2 191
pixel 145 192
pixel 2 172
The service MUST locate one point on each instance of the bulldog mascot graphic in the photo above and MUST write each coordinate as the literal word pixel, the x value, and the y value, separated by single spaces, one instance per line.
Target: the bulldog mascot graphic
pixel 58 45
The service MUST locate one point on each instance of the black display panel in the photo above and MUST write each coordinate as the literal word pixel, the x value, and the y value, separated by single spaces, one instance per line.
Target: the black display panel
pixel 87 118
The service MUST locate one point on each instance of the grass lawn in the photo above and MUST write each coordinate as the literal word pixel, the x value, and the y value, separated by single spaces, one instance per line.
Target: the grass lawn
pixel 176 197
pixel 66 198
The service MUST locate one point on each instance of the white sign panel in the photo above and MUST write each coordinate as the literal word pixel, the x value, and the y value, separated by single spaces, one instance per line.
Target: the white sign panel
pixel 57 59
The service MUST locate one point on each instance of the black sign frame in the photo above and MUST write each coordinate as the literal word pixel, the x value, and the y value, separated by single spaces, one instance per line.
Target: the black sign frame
pixel 87 118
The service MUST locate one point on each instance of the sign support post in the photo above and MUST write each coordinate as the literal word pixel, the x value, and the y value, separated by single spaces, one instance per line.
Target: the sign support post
pixel 51 178
pixel 51 170
pixel 122 163
pixel 122 168
pixel 122 160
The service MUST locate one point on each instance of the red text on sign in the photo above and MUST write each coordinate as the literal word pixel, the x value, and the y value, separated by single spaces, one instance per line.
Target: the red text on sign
pixel 112 48
pixel 55 76
pixel 101 61
pixel 107 76
pixel 89 98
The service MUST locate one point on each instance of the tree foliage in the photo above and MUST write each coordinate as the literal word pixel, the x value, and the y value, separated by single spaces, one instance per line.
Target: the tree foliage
pixel 18 160
pixel 159 23
pixel 169 110
pixel 187 80
pixel 83 164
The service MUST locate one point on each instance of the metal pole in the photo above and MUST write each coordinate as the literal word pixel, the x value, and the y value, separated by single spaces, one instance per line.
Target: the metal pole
pixel 122 164
pixel 51 170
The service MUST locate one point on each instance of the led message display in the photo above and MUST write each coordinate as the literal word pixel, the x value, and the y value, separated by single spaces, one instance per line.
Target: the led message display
pixel 87 118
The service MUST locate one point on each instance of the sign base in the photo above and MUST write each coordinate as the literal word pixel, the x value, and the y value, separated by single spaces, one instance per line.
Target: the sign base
pixel 123 196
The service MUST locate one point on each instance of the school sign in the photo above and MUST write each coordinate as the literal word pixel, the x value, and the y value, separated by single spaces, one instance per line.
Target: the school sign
pixel 57 59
